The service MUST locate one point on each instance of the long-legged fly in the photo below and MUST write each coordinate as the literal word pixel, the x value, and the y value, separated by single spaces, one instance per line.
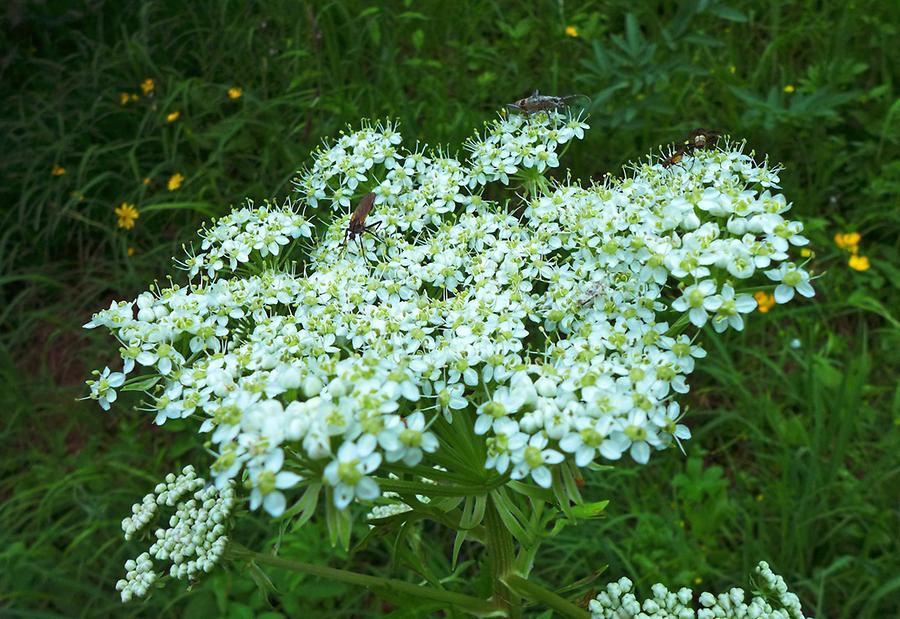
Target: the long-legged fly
pixel 540 103
pixel 357 226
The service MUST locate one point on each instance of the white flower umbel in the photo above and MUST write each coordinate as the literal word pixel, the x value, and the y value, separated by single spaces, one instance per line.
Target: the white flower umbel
pixel 773 601
pixel 555 324
pixel 195 537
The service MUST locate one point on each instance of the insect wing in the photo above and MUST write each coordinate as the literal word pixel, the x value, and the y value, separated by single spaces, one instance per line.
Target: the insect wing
pixel 358 218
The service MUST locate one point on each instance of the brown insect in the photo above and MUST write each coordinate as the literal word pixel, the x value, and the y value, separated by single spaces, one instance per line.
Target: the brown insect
pixel 703 138
pixel 540 103
pixel 698 139
pixel 357 226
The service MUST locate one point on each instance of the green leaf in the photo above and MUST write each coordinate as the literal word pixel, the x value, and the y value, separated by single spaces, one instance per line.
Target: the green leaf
pixel 861 300
pixel 589 510
pixel 728 12
pixel 339 521
pixel 531 491
pixel 262 580
pixel 505 510
pixel 305 507
pixel 141 385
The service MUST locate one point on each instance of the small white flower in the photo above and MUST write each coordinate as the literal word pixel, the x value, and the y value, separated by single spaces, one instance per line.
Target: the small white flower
pixel 533 459
pixel 348 472
pixel 729 312
pixel 697 300
pixel 792 278
pixel 104 388
pixel 268 481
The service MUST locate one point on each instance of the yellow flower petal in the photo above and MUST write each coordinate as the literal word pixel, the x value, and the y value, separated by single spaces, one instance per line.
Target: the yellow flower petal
pixel 235 93
pixel 764 301
pixel 175 181
pixel 571 31
pixel 789 88
pixel 859 263
pixel 173 116
pixel 147 86
pixel 58 170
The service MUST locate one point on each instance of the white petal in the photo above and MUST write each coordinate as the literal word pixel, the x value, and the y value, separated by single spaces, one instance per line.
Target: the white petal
pixel 551 456
pixel 286 479
pixel 343 494
pixel 697 316
pixel 783 293
pixel 571 443
pixel 584 455
pixel 274 503
pixel 640 452
pixel 367 489
pixel 483 424
pixel 542 476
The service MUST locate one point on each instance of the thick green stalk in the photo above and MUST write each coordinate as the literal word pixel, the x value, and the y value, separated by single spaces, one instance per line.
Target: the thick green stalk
pixel 464 602
pixel 501 553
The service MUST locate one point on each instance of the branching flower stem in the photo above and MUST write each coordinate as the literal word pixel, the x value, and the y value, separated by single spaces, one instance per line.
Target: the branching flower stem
pixel 464 602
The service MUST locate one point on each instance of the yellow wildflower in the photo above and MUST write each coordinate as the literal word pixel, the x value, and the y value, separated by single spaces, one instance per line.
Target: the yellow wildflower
pixel 764 301
pixel 173 116
pixel 235 93
pixel 126 213
pixel 147 86
pixel 175 181
pixel 131 251
pixel 859 263
pixel 847 240
pixel 147 180
pixel 789 88
pixel 58 170
pixel 572 31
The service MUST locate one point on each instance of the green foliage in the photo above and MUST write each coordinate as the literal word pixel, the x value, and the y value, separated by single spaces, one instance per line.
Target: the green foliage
pixel 795 452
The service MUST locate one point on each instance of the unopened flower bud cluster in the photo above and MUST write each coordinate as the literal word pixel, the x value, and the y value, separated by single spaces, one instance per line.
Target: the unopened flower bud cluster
pixel 773 602
pixel 557 327
pixel 195 537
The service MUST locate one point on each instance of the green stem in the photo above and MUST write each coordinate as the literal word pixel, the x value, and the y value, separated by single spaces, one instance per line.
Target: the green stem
pixel 464 602
pixel 501 552
pixel 537 593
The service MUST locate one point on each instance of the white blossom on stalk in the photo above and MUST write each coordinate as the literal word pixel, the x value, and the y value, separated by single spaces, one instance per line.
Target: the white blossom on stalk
pixel 104 388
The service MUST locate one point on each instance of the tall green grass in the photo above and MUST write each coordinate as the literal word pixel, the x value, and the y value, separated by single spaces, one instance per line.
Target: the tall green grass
pixel 795 452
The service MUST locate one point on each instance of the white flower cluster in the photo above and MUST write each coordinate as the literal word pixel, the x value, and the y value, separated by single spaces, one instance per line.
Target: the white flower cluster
pixel 194 540
pixel 244 232
pixel 773 602
pixel 548 329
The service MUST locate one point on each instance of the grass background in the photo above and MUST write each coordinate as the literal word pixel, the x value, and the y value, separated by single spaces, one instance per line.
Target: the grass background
pixel 795 456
